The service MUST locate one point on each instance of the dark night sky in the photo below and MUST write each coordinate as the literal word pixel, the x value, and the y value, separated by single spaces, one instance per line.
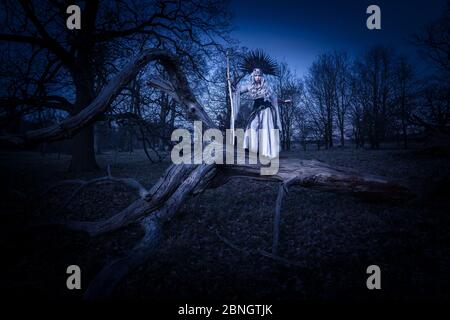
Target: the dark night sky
pixel 297 31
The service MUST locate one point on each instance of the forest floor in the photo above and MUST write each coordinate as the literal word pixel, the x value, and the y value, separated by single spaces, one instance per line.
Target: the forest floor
pixel 332 238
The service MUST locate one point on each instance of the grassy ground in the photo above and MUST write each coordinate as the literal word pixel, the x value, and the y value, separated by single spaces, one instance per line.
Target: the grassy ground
pixel 332 237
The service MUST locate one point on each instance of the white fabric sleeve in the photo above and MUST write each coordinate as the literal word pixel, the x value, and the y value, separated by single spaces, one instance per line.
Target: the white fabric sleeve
pixel 275 104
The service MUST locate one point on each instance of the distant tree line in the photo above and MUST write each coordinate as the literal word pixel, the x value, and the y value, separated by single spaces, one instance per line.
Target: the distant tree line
pixel 379 96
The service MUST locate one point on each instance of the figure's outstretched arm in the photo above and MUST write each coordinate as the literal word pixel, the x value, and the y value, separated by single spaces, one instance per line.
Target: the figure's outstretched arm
pixel 238 89
pixel 243 89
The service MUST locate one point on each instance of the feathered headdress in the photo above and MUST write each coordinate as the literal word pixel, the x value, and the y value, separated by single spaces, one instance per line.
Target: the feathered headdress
pixel 258 59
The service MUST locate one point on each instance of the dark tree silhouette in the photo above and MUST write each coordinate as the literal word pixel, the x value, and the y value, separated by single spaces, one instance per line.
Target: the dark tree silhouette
pixel 185 27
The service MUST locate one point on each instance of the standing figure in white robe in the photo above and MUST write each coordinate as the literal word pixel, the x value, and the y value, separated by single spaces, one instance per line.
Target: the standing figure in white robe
pixel 263 125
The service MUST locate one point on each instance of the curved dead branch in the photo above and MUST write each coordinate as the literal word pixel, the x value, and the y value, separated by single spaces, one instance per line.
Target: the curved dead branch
pixel 72 125
pixel 129 182
pixel 111 275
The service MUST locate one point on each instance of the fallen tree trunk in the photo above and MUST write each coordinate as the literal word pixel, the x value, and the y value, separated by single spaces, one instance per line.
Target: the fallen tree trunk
pixel 183 181
pixel 157 206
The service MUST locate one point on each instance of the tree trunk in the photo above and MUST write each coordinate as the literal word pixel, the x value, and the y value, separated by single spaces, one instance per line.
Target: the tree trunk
pixel 405 135
pixel 404 124
pixel 83 153
pixel 83 146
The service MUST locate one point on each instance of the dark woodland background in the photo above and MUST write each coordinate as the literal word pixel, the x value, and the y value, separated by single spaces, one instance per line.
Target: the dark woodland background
pixel 374 111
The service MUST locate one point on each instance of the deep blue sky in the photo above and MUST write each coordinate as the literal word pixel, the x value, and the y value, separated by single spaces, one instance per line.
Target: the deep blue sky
pixel 297 31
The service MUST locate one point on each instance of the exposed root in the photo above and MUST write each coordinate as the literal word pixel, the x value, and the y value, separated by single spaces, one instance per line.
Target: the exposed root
pixel 132 183
pixel 161 212
pixel 130 214
pixel 282 190
pixel 112 274
pixel 153 200
pixel 58 185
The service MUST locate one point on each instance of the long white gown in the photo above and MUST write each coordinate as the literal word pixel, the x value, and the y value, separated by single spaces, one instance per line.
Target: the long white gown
pixel 264 138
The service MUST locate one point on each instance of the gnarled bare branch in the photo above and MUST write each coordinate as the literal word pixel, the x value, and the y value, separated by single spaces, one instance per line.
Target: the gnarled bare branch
pixel 70 126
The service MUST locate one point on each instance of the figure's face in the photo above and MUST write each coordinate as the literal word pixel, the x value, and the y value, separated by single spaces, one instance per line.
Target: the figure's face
pixel 257 78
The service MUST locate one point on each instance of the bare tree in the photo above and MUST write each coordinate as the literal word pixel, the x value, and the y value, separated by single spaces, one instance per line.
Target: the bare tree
pixel 343 92
pixel 302 124
pixel 404 95
pixel 358 103
pixel 434 41
pixel 321 84
pixel 329 91
pixel 433 113
pixel 289 90
pixel 374 76
pixel 188 28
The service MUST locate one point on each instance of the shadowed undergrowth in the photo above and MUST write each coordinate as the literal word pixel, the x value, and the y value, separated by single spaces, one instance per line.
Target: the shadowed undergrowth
pixel 332 237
